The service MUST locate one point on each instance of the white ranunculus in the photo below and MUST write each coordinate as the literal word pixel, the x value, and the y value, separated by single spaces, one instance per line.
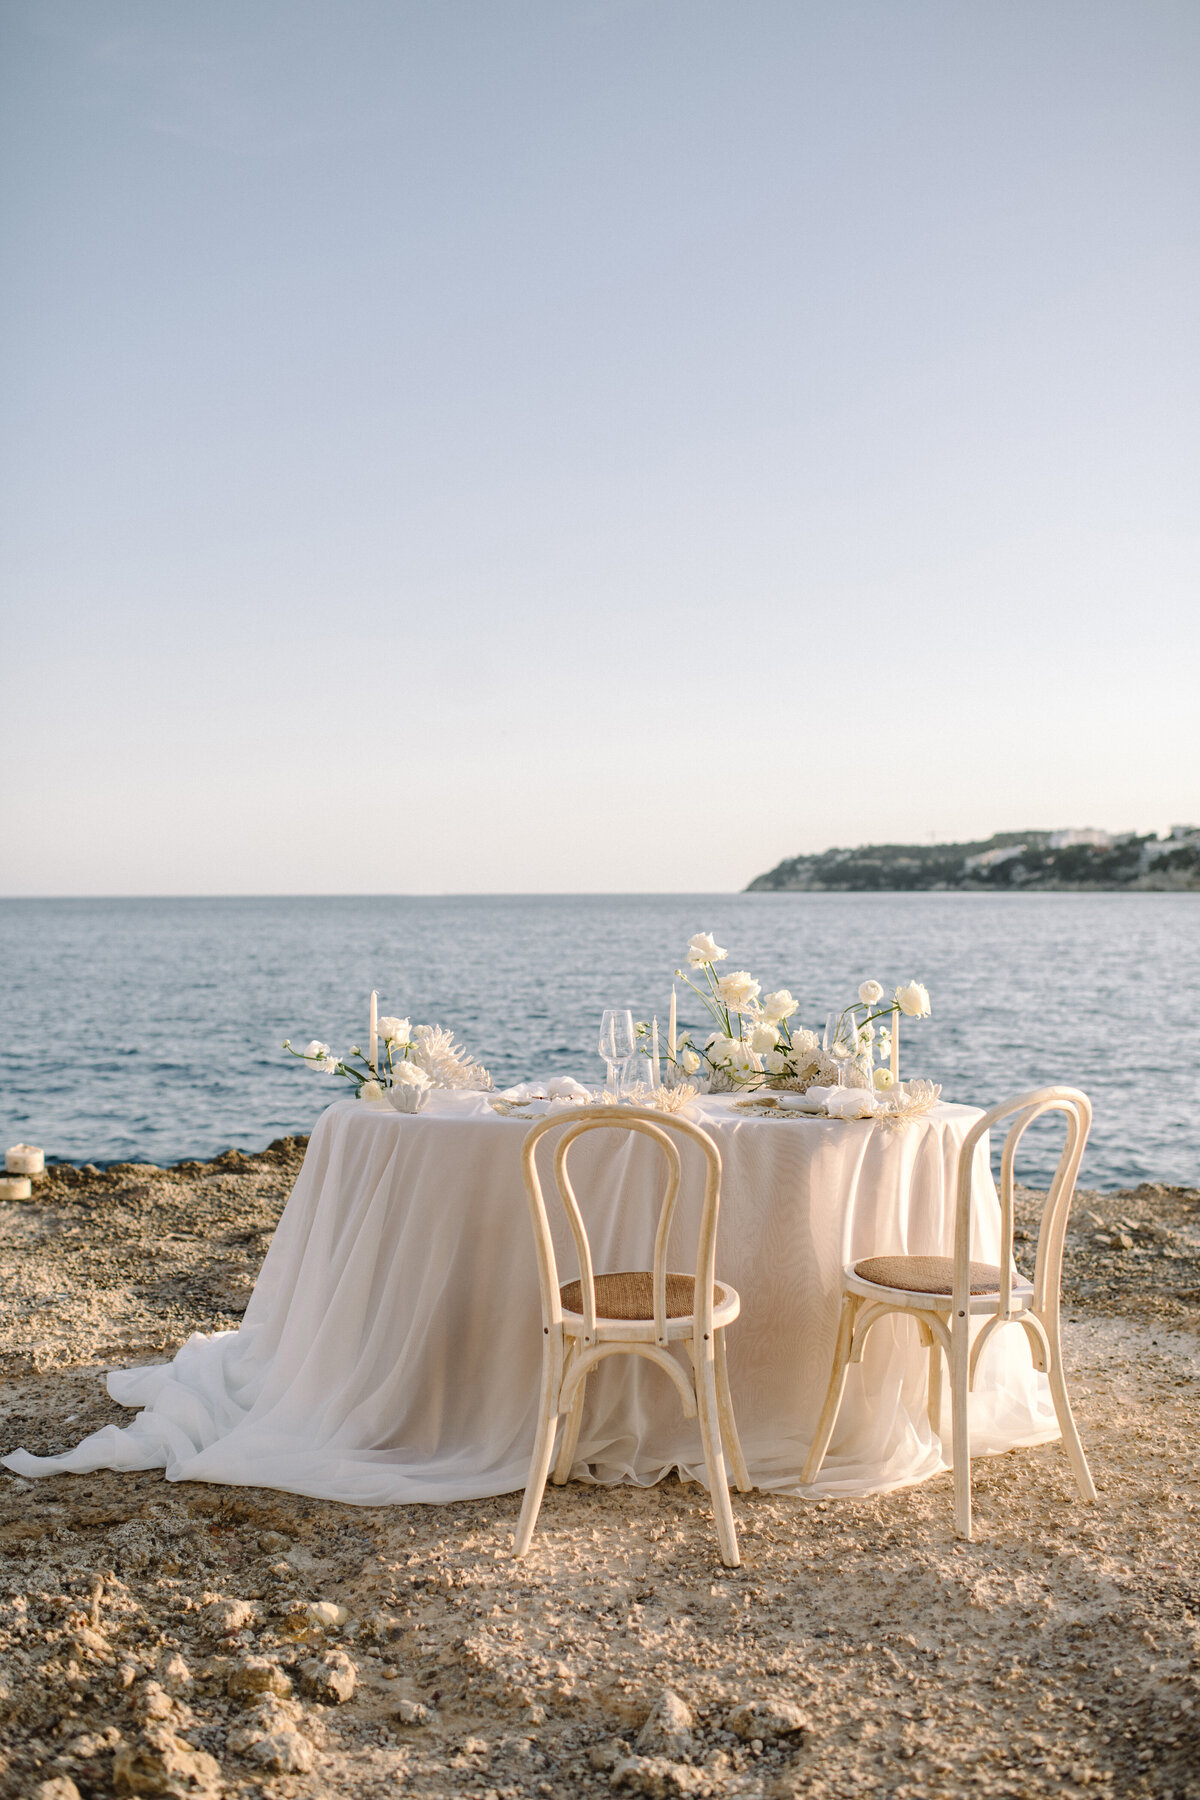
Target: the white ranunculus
pixel 370 1090
pixel 409 1074
pixel 764 1038
pixel 883 1078
pixel 689 1062
pixel 870 992
pixel 913 1000
pixel 719 1048
pixel 739 990
pixel 744 1060
pixel 395 1031
pixel 704 948
pixel 778 1006
pixel 315 1049
pixel 775 1062
pixel 805 1045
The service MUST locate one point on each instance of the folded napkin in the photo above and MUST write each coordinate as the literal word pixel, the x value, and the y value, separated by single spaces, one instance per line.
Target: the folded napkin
pixel 845 1103
pixel 559 1087
pixel 565 1087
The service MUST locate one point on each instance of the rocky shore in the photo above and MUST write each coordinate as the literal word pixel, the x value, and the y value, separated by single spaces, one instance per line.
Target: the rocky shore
pixel 191 1640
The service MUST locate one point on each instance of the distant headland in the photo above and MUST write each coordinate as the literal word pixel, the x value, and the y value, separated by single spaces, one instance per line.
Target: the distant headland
pixel 1078 861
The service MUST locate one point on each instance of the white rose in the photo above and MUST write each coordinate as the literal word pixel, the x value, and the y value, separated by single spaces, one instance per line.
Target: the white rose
pixel 775 1062
pixel 689 1062
pixel 739 990
pixel 805 1045
pixel 870 992
pixel 719 1048
pixel 763 1038
pixel 704 948
pixel 395 1031
pixel 913 1000
pixel 370 1090
pixel 407 1074
pixel 778 1005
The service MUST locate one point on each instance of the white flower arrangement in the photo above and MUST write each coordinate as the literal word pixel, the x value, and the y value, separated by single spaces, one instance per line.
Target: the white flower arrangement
pixel 756 1044
pixel 413 1059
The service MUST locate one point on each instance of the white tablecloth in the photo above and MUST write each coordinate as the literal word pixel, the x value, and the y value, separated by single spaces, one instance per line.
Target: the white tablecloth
pixel 390 1351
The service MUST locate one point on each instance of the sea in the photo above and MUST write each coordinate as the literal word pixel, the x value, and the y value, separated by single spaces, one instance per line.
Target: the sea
pixel 151 1030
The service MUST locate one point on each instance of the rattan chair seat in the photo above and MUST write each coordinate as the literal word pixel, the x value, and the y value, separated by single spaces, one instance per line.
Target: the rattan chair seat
pixel 629 1294
pixel 925 1274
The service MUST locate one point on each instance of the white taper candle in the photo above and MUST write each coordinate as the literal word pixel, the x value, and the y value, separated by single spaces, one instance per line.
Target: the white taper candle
pixel 373 1033
pixel 671 1039
pixel 655 1070
pixel 895 1060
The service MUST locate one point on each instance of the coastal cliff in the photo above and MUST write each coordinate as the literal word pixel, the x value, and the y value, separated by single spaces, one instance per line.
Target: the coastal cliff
pixel 1046 861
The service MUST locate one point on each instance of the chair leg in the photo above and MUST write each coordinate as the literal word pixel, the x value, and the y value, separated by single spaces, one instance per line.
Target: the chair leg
pixel 934 1402
pixel 543 1448
pixel 960 1354
pixel 835 1390
pixel 714 1458
pixel 570 1437
pixel 729 1430
pixel 1066 1419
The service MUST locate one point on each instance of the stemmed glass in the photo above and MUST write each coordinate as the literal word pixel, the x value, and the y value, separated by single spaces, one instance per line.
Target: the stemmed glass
pixel 618 1042
pixel 840 1041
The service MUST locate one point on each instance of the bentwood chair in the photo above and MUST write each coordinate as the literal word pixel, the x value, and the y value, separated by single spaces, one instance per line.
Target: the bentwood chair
pixel 945 1294
pixel 639 1312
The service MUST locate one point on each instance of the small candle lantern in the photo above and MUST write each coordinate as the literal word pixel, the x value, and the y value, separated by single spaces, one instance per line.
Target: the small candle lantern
pixel 24 1159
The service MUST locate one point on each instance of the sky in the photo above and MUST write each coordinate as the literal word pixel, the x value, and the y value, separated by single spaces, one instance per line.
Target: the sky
pixel 590 445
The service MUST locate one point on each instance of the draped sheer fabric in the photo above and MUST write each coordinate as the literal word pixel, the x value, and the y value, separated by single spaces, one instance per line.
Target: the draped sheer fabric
pixel 391 1349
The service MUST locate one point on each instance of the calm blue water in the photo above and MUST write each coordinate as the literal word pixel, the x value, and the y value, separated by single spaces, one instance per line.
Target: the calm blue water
pixel 150 1029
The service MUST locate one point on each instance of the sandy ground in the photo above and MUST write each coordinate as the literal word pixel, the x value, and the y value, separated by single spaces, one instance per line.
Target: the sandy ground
pixel 190 1640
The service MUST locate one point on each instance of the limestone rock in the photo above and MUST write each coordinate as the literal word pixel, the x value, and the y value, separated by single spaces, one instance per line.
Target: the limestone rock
pixel 331 1678
pixel 153 1702
pixel 668 1730
pixel 283 1753
pixel 255 1676
pixel 770 1717
pixel 313 1618
pixel 175 1674
pixel 161 1763
pixel 411 1712
pixel 658 1778
pixel 270 1719
pixel 225 1617
pixel 60 1788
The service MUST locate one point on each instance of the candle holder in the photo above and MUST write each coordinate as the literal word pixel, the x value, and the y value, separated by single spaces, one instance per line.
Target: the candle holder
pixel 24 1159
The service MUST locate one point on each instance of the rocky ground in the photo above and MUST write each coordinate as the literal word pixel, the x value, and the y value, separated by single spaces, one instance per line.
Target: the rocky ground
pixel 191 1640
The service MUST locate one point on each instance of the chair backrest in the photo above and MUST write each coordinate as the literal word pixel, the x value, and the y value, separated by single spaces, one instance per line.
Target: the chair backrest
pixel 1077 1109
pixel 662 1129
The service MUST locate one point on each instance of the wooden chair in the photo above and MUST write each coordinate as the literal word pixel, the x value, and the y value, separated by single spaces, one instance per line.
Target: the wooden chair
pixel 943 1294
pixel 632 1312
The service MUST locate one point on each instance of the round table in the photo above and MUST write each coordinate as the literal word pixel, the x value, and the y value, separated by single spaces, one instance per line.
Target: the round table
pixel 391 1349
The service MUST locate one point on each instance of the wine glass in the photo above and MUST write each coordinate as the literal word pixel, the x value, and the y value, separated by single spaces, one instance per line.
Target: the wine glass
pixel 618 1042
pixel 840 1042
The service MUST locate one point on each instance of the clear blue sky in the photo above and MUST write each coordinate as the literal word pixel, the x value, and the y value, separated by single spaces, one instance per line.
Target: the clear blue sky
pixel 473 445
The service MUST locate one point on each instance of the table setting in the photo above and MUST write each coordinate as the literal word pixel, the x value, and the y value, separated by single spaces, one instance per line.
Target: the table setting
pixel 389 1351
